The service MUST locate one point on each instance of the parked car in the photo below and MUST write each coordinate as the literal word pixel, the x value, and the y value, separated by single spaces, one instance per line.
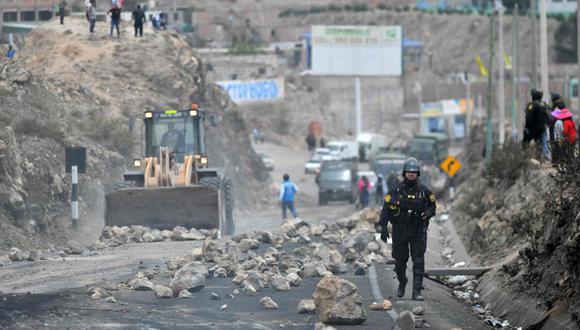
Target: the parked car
pixel 337 181
pixel 267 160
pixel 319 155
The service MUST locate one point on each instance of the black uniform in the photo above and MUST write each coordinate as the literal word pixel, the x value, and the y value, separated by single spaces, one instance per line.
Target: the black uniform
pixel 409 207
pixel 536 122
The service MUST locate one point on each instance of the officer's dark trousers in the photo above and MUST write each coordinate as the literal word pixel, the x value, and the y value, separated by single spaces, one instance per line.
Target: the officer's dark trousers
pixel 410 239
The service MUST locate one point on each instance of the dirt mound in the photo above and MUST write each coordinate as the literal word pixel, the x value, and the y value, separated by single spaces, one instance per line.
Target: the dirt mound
pixel 66 88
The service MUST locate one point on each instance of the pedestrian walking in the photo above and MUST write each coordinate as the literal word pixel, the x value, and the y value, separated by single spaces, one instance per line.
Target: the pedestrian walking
pixel 322 142
pixel 288 191
pixel 256 135
pixel 565 134
pixel 61 9
pixel 139 19
pixel 115 13
pixel 311 141
pixel 408 208
pixel 11 52
pixel 537 123
pixel 92 16
pixel 364 187
pixel 380 189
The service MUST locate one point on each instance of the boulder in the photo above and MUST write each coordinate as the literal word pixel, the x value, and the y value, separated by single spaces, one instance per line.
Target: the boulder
pixel 249 289
pixel 322 326
pixel 197 254
pixel 140 283
pixel 184 294
pixel 406 321
pixel 247 244
pixel 419 310
pixel 265 237
pixel 306 306
pixel 348 223
pixel 36 255
pixel 289 261
pixel 240 278
pixel 280 283
pixel 220 272
pixel 257 280
pixel 318 230
pixel 268 303
pixel 338 302
pixel 314 269
pixel 167 235
pixel 294 279
pixel 156 233
pixel 288 228
pixel 190 277
pixel 162 291
pixel 75 247
pixel 15 254
pixel 210 249
pixel 148 238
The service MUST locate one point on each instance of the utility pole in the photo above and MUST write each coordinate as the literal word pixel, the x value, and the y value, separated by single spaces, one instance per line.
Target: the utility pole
pixel 489 125
pixel 534 16
pixel 544 49
pixel 501 74
pixel 358 106
pixel 515 73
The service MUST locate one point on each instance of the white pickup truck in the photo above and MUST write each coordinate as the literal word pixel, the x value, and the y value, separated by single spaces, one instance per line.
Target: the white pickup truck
pixel 344 150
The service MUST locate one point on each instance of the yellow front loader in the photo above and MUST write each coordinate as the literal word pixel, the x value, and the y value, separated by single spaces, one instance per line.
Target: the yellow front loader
pixel 173 185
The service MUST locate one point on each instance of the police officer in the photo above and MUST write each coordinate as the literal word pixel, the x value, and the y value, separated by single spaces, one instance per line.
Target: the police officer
pixel 536 122
pixel 408 207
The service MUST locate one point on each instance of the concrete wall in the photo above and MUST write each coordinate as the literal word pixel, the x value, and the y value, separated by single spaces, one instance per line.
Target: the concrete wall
pixel 382 100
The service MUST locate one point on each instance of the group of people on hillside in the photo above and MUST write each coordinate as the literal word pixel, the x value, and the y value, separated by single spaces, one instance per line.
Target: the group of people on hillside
pixel 114 13
pixel 551 127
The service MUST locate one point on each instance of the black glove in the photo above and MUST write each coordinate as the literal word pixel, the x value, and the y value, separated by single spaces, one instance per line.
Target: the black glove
pixel 384 236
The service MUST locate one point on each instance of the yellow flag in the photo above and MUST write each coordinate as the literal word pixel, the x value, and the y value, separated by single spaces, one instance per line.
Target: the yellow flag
pixel 482 68
pixel 508 61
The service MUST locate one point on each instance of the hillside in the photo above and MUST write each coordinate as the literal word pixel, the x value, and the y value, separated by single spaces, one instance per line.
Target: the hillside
pixel 65 88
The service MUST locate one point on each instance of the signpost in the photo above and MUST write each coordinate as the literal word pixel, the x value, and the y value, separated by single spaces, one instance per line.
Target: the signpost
pixel 75 164
pixel 450 166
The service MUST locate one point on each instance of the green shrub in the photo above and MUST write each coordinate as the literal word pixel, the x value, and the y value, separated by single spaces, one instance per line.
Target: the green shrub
pixel 112 133
pixel 507 164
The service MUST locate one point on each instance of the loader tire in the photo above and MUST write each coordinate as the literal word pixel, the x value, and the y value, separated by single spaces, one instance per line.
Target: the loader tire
pixel 124 185
pixel 225 186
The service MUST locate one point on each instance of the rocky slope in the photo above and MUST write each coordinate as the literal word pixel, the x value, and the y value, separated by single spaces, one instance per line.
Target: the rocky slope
pixel 66 88
pixel 523 217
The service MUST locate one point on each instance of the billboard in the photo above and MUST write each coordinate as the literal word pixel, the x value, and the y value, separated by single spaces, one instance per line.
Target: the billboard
pixel 253 91
pixel 357 50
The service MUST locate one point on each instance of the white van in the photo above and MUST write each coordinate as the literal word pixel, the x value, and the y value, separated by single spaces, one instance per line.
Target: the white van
pixel 344 150
pixel 369 145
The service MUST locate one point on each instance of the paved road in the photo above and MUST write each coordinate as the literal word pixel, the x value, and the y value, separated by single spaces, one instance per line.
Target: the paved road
pixel 58 296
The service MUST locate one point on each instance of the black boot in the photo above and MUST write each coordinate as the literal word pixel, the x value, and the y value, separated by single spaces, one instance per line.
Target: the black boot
pixel 417 295
pixel 402 285
pixel 417 287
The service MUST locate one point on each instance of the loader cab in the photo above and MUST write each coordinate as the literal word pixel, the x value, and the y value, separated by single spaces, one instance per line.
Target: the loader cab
pixel 182 131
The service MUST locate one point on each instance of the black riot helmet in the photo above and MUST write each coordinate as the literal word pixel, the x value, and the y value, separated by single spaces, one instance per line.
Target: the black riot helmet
pixel 537 94
pixel 412 165
pixel 555 98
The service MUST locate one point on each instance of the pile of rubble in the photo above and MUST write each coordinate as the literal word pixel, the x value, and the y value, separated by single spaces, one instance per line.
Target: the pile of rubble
pixel 115 236
pixel 280 260
pixel 71 247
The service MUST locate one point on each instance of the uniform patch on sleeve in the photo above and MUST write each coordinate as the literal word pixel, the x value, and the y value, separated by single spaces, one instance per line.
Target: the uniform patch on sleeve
pixel 530 107
pixel 432 197
pixel 388 198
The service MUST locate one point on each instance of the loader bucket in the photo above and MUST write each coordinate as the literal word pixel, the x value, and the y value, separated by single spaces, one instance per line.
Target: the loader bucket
pixel 165 207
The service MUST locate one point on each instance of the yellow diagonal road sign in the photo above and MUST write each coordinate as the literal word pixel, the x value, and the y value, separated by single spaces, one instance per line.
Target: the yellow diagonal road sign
pixel 450 165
